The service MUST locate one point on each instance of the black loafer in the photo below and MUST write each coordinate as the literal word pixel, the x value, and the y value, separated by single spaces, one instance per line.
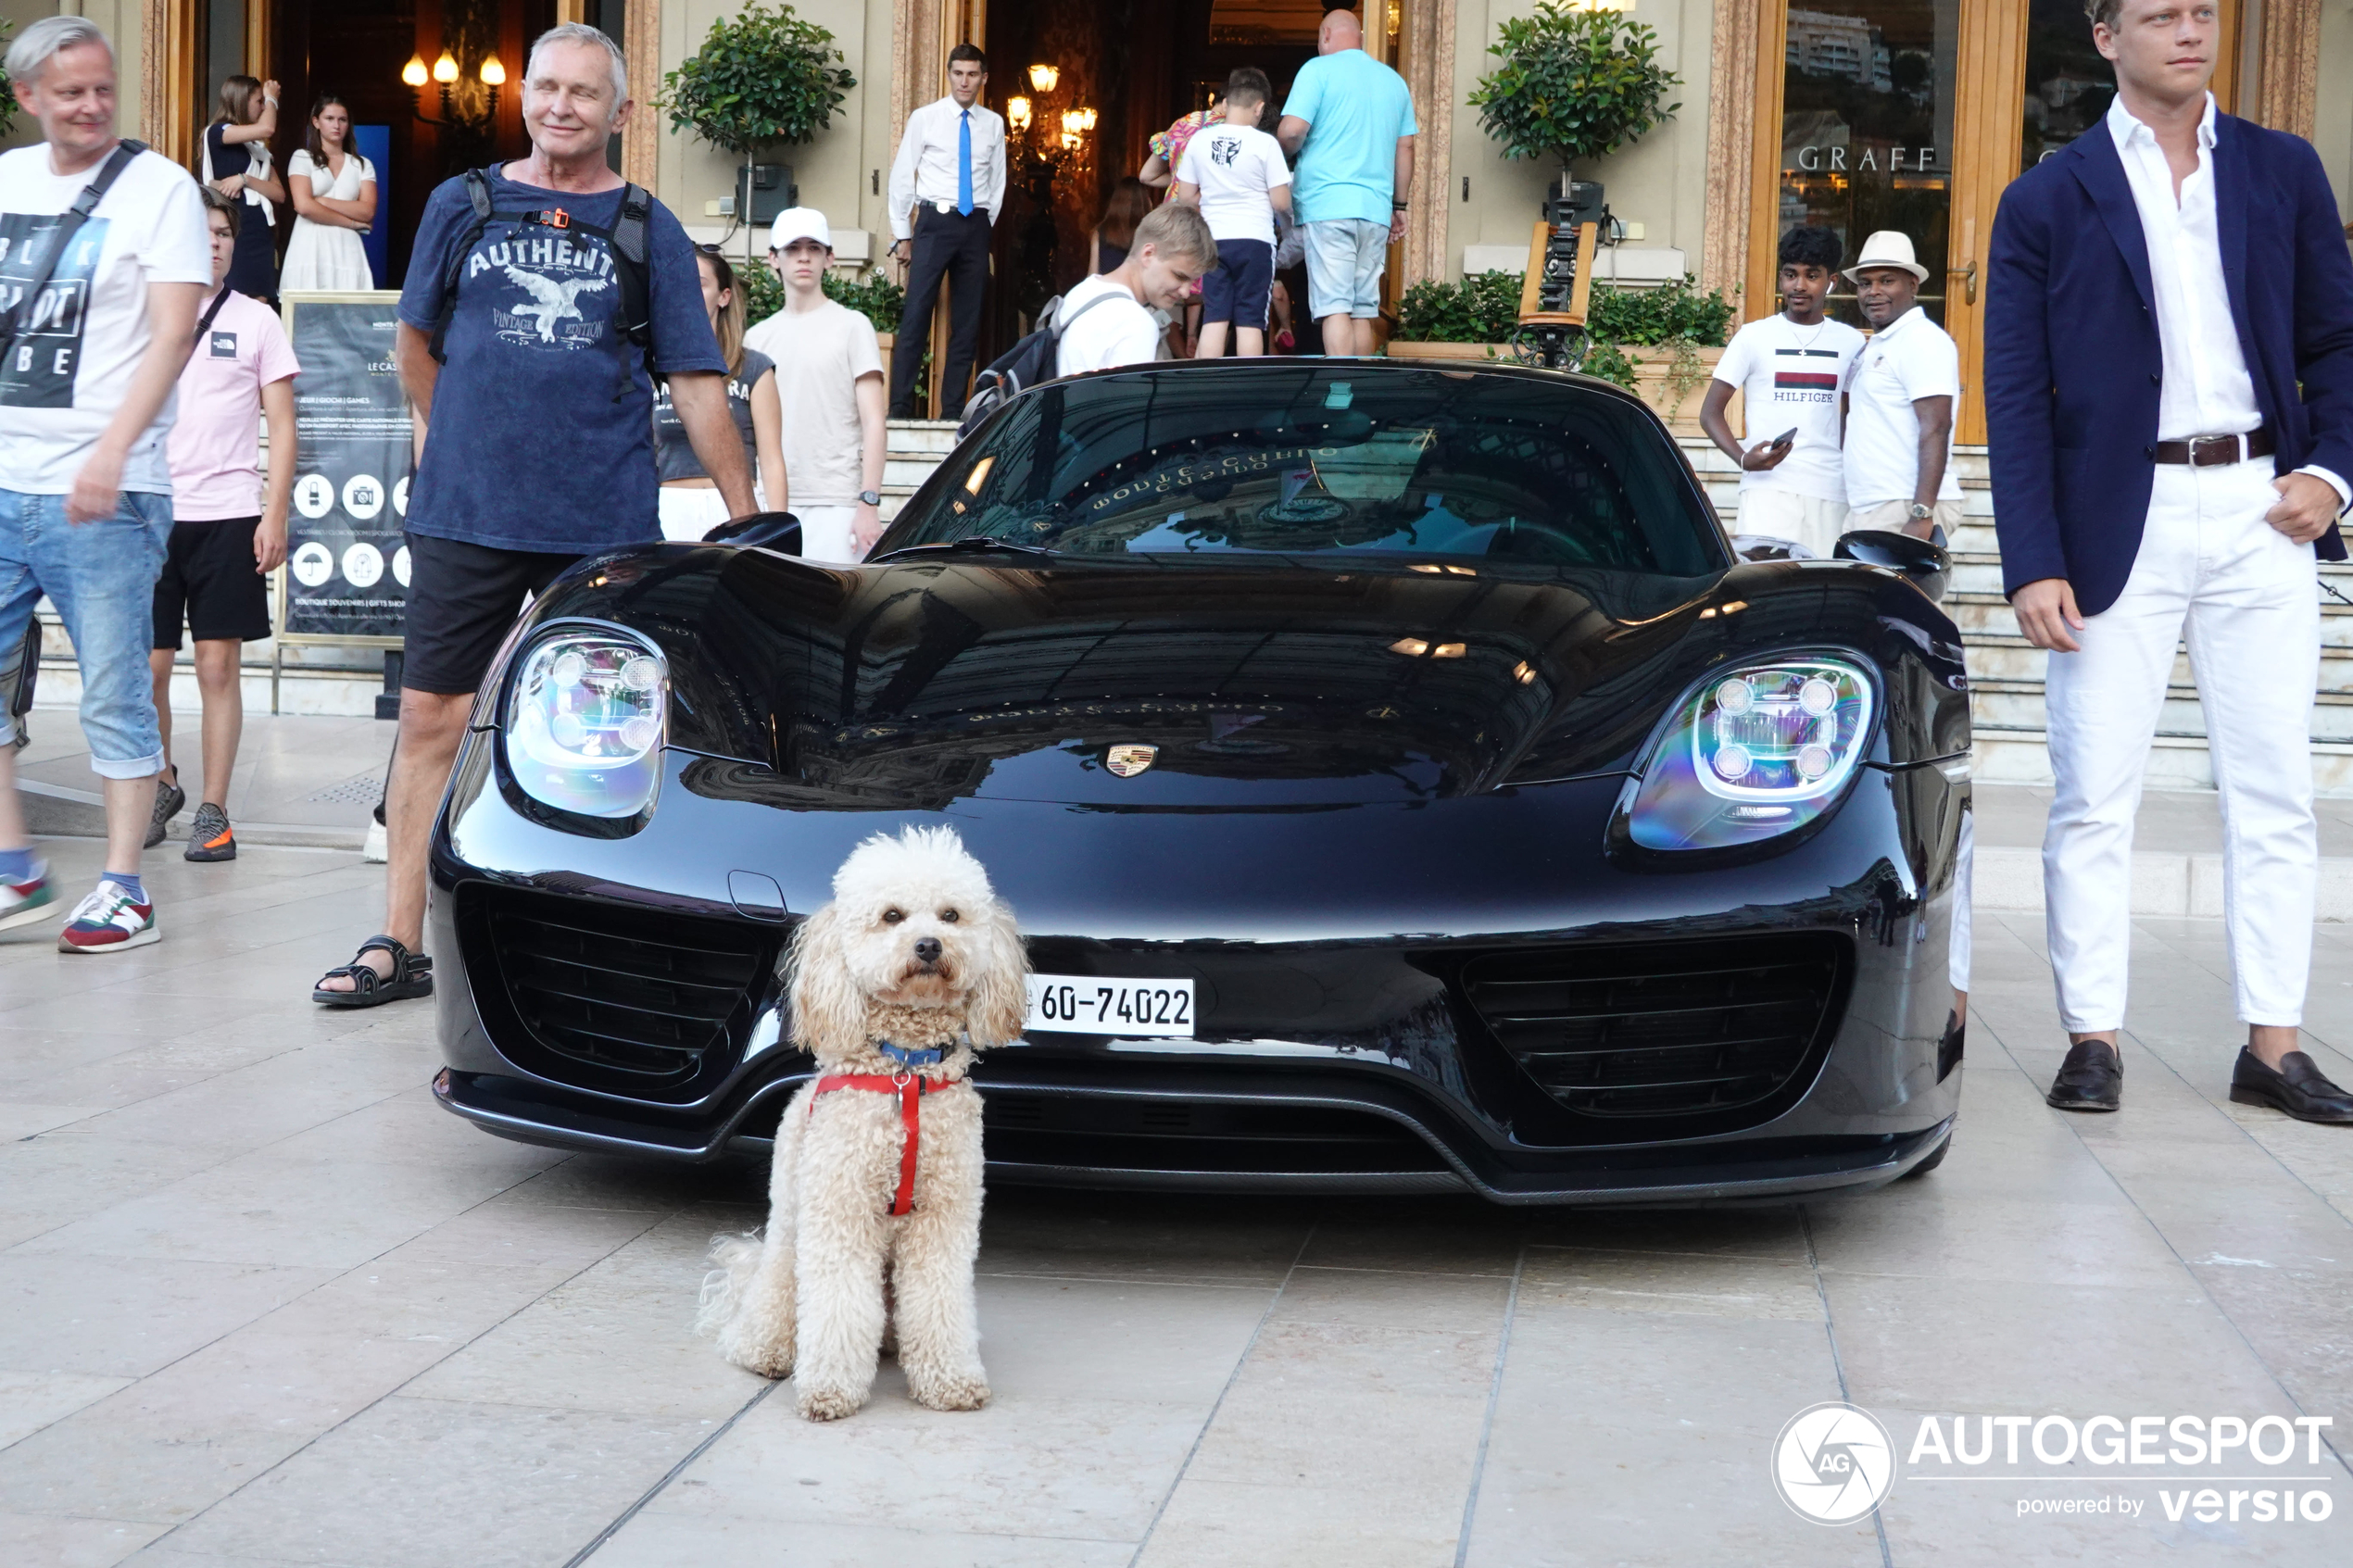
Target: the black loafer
pixel 2092 1078
pixel 2297 1087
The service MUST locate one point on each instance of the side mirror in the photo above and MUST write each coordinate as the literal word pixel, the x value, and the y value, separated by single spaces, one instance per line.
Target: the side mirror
pixel 1925 561
pixel 774 531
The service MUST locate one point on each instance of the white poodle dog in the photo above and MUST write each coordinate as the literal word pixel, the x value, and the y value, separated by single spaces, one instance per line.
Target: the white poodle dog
pixel 913 966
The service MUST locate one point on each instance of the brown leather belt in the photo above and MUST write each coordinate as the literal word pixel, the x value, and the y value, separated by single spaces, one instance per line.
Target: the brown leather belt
pixel 2210 451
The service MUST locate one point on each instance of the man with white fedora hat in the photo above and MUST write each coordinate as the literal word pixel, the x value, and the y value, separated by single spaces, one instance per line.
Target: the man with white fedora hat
pixel 1901 395
pixel 829 379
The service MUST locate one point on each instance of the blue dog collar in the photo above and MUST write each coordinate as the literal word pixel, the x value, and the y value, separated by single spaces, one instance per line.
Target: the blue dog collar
pixel 906 1058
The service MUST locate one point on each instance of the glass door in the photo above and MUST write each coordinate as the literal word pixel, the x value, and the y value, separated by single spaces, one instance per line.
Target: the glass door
pixel 1915 114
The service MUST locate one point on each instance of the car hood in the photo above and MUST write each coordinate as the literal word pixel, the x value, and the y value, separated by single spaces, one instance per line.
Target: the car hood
pixel 1254 684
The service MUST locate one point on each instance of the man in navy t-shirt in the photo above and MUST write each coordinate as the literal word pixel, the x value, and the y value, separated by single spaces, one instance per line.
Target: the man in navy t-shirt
pixel 539 445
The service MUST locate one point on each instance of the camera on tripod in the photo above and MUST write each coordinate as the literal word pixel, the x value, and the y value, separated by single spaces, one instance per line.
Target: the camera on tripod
pixel 1571 205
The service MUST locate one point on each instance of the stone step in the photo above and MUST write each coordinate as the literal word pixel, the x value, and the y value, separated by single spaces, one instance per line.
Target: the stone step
pixel 2001 704
pixel 935 437
pixel 1980 613
pixel 2008 657
pixel 2021 756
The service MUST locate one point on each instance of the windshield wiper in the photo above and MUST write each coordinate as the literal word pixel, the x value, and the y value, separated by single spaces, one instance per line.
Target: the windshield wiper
pixel 971 545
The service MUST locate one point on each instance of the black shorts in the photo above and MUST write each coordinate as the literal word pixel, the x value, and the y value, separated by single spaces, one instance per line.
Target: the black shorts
pixel 210 584
pixel 462 599
pixel 1236 290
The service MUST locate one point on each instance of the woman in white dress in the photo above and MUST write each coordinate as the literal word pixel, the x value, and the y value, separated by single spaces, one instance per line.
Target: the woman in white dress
pixel 335 203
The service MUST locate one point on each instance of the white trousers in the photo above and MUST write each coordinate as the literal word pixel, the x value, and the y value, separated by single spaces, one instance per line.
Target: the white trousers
pixel 2211 572
pixel 1787 514
pixel 825 534
pixel 688 512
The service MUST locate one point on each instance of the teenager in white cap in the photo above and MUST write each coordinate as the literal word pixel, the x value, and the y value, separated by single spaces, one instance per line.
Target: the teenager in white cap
pixel 829 376
pixel 1901 398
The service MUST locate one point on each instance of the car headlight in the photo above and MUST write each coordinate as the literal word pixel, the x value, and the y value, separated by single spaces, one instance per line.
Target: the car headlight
pixel 1759 749
pixel 585 722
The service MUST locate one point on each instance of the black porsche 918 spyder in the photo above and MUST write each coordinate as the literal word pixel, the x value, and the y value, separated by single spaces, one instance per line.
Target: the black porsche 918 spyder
pixel 1402 783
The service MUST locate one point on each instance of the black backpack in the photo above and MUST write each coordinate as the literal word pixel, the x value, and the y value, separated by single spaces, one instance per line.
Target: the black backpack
pixel 1023 365
pixel 626 239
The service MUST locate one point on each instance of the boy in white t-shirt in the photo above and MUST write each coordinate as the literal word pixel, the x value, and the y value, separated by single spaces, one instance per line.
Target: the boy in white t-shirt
pixel 1235 173
pixel 829 382
pixel 1790 370
pixel 1106 321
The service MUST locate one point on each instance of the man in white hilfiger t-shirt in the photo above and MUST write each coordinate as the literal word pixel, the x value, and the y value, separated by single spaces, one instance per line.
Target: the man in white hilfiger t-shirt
pixel 1791 371
pixel 1107 319
pixel 95 332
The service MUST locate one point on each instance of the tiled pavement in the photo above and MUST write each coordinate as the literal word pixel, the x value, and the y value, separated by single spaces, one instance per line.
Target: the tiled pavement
pixel 260 1302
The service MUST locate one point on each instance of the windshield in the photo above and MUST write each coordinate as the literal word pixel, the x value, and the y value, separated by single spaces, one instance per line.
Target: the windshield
pixel 1315 458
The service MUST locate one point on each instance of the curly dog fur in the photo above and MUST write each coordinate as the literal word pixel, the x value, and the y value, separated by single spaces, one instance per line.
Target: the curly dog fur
pixel 916 949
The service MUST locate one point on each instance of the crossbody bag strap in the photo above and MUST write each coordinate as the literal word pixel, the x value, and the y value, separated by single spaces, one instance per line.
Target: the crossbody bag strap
pixel 204 323
pixel 61 237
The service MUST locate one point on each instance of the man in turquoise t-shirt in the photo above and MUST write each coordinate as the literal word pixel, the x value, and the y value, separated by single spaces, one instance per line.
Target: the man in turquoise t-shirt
pixel 1349 120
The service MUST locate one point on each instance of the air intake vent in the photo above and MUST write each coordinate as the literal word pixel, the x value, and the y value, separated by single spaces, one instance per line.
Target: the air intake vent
pixel 626 1001
pixel 1673 1030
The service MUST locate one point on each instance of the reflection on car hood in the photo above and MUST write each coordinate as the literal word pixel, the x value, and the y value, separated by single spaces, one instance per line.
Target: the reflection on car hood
pixel 1258 685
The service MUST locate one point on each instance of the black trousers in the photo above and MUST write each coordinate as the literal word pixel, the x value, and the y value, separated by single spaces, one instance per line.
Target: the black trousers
pixel 952 245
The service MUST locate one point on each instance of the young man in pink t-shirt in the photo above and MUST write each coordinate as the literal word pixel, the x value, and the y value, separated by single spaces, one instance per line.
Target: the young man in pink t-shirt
pixel 227 529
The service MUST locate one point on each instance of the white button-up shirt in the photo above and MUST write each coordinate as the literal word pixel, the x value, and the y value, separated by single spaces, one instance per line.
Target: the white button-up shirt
pixel 2206 390
pixel 925 171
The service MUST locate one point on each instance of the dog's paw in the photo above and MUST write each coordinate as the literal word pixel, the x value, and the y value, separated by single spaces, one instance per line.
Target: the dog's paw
pixel 826 1404
pixel 949 1391
pixel 769 1365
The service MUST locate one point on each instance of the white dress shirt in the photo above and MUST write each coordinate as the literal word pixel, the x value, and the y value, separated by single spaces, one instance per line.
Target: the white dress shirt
pixel 2206 390
pixel 926 170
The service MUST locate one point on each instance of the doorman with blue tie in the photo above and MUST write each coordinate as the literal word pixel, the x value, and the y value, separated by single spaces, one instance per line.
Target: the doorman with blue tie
pixel 946 186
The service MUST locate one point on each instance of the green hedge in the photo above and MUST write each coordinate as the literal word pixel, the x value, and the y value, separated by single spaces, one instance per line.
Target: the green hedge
pixel 1484 307
pixel 878 299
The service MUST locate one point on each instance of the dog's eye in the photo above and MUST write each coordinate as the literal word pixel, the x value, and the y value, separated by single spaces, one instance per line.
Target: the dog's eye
pixel 892 917
pixel 948 915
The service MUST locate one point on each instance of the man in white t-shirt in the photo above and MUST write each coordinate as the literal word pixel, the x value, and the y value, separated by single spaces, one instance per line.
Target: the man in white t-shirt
pixel 1901 397
pixel 829 380
pixel 1235 173
pixel 95 344
pixel 1107 320
pixel 1789 369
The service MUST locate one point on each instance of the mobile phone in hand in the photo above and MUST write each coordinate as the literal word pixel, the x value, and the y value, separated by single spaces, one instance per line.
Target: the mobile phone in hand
pixel 1784 438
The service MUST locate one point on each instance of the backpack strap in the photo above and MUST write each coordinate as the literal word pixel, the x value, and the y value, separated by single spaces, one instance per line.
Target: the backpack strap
pixel 61 237
pixel 632 245
pixel 478 197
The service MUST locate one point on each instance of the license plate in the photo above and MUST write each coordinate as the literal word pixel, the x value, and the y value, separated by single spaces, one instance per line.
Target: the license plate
pixel 1088 1004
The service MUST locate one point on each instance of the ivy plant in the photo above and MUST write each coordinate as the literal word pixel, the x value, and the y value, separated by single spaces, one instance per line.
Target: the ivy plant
pixel 1573 84
pixel 1484 307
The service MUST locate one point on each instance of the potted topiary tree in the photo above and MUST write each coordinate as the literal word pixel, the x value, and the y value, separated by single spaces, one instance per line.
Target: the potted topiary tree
pixel 1573 84
pixel 761 77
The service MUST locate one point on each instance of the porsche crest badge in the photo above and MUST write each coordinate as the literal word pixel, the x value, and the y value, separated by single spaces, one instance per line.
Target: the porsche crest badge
pixel 1126 761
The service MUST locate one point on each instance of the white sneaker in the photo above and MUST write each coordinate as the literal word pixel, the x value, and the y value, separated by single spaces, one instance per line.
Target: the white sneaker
pixel 109 921
pixel 21 902
pixel 375 851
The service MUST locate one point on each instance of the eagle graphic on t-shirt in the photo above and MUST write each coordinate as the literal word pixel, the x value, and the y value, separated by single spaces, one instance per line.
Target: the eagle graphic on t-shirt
pixel 552 301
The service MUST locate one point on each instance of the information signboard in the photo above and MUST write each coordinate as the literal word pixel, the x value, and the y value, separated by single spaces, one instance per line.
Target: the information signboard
pixel 346 574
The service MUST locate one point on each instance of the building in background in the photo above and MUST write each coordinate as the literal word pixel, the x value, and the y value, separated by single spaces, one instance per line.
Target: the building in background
pixel 1860 114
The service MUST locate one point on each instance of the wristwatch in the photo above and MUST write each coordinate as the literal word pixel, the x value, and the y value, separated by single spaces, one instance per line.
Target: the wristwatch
pixel 870 498
pixel 1922 512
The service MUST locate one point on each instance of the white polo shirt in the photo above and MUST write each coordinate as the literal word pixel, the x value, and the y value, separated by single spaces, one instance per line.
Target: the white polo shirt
pixel 1910 358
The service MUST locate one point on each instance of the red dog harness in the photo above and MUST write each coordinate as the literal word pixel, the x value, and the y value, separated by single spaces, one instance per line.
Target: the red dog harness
pixel 910 1087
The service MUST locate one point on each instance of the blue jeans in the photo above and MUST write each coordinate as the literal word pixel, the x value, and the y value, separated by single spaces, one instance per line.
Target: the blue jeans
pixel 102 578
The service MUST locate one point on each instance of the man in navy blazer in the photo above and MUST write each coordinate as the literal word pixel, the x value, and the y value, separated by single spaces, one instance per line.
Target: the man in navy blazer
pixel 2168 390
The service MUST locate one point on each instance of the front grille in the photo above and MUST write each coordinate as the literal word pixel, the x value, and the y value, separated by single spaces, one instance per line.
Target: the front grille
pixel 1138 1134
pixel 1670 1029
pixel 627 1000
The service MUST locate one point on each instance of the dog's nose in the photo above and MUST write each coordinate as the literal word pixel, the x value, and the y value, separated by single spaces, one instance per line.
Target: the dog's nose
pixel 927 948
